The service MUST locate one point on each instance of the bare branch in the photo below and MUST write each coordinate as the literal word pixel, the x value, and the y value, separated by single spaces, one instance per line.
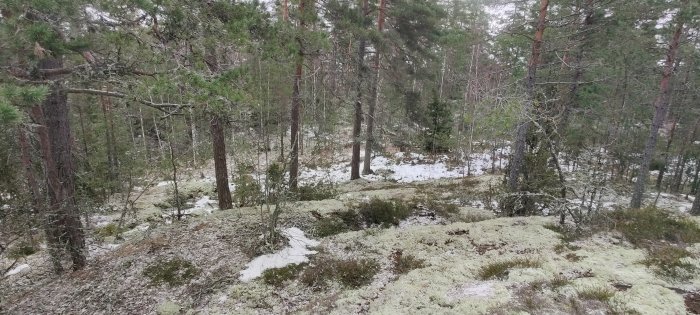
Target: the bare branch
pixel 168 108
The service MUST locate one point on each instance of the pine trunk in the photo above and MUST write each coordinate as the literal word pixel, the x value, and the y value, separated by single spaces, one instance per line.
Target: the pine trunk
pixel 220 168
pixel 374 96
pixel 661 110
pixel 296 106
pixel 357 120
pixel 518 159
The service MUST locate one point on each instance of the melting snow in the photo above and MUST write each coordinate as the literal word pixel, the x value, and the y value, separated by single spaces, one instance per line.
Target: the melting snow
pixel 17 269
pixel 478 290
pixel 296 253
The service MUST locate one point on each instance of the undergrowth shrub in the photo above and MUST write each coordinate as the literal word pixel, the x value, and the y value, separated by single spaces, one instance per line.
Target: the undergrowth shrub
pixel 21 250
pixel 349 272
pixel 596 293
pixel 108 230
pixel 500 270
pixel 403 263
pixel 383 212
pixel 247 191
pixel 318 191
pixel 330 226
pixel 173 272
pixel 171 202
pixel 652 224
pixel 277 276
pixel 667 261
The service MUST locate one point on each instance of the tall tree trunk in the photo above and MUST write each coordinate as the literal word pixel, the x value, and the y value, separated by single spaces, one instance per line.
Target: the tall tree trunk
pixel 682 156
pixel 106 104
pixel 662 171
pixel 357 120
pixel 518 159
pixel 577 64
pixel 49 221
pixel 220 169
pixel 56 113
pixel 695 209
pixel 84 137
pixel 296 102
pixel 662 106
pixel 374 95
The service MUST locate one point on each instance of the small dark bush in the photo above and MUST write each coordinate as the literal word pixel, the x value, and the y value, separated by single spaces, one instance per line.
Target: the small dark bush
pixel 173 272
pixel 651 224
pixel 597 293
pixel 666 261
pixel 499 270
pixel 277 276
pixel 21 250
pixel 330 226
pixel 349 272
pixel 403 263
pixel 318 191
pixel 111 229
pixel 383 213
pixel 247 191
pixel 171 202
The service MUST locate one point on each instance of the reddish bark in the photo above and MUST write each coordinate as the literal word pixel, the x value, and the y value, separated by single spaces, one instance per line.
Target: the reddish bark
pixel 661 105
pixel 518 159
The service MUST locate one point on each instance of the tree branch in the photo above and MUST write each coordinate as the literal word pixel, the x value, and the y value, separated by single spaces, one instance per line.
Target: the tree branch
pixel 168 108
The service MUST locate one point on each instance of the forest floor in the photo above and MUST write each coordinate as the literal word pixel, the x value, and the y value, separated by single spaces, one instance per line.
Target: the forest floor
pixel 465 261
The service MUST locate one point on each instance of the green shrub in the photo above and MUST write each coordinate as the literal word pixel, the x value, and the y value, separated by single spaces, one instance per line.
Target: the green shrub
pixel 651 224
pixel 21 250
pixel 499 270
pixel 247 191
pixel 383 213
pixel 318 191
pixel 108 230
pixel 330 226
pixel 403 263
pixel 596 293
pixel 173 272
pixel 667 261
pixel 277 276
pixel 171 202
pixel 352 273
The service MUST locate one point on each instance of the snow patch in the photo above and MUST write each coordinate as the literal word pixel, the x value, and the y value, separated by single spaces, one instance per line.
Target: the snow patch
pixel 18 269
pixel 296 253
pixel 470 290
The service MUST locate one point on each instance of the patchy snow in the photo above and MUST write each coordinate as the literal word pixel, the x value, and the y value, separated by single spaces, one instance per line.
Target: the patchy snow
pixel 203 205
pixel 471 290
pixel 405 168
pixel 18 269
pixel 296 253
pixel 164 183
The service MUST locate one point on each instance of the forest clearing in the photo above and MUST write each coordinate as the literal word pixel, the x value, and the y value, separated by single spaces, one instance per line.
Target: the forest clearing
pixel 349 157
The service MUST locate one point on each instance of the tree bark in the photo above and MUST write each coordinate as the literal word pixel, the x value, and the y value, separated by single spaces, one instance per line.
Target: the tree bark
pixel 357 120
pixel 662 171
pixel 662 106
pixel 220 168
pixel 109 137
pixel 296 104
pixel 50 228
pixel 518 159
pixel 695 209
pixel 374 96
pixel 682 156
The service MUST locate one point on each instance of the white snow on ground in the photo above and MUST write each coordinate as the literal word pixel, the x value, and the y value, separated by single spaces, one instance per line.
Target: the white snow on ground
pixel 403 168
pixel 17 269
pixel 204 204
pixel 296 253
pixel 473 290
